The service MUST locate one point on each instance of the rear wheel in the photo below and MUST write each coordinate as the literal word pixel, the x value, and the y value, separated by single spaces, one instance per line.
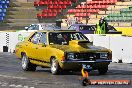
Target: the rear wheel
pixel 55 68
pixel 103 70
pixel 26 65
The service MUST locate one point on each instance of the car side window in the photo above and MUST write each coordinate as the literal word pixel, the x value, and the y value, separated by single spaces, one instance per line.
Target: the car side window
pixel 36 38
pixel 81 28
pixel 31 27
pixel 36 27
pixel 72 28
pixel 43 38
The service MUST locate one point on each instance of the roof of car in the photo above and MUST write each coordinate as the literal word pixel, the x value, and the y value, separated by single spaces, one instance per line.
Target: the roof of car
pixel 49 31
pixel 57 31
pixel 84 24
pixel 44 23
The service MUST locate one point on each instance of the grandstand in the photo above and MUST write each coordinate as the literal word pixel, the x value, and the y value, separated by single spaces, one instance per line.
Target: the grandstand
pixel 19 13
pixel 98 8
pixel 3 9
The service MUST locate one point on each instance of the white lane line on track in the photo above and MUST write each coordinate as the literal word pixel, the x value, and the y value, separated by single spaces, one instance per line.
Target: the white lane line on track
pixel 6 76
pixel 17 86
pixel 5 84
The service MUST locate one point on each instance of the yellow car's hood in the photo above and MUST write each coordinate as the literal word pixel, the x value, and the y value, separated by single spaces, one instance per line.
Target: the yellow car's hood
pixel 79 46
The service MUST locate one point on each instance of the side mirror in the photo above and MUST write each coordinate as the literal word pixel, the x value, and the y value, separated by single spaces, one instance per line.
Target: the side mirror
pixel 26 28
pixel 42 44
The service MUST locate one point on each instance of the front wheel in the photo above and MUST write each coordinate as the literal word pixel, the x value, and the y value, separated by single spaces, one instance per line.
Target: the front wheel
pixel 26 65
pixel 103 70
pixel 55 68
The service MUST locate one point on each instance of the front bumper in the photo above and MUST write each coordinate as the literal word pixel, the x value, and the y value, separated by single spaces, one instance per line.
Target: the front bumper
pixel 77 65
pixel 79 61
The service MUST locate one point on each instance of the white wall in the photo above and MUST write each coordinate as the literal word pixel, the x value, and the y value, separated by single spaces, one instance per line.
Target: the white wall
pixel 121 46
pixel 12 40
pixel 2 40
pixel 101 40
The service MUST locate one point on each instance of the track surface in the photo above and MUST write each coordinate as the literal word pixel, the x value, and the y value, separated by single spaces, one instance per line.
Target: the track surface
pixel 12 76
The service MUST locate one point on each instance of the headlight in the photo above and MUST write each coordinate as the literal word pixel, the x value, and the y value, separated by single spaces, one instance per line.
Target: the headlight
pixel 103 55
pixel 70 56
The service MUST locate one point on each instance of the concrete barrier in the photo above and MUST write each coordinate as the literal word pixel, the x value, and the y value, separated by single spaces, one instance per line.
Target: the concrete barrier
pixel 2 40
pixel 10 39
pixel 121 46
pixel 15 37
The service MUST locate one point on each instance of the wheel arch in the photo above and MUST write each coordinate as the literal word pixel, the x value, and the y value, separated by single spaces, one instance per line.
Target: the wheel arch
pixel 60 65
pixel 52 58
pixel 22 53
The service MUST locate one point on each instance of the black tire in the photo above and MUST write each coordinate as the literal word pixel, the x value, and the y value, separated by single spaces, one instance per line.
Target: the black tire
pixel 26 65
pixel 103 70
pixel 55 68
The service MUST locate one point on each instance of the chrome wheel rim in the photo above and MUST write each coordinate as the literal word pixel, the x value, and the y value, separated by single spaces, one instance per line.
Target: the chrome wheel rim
pixel 54 66
pixel 24 62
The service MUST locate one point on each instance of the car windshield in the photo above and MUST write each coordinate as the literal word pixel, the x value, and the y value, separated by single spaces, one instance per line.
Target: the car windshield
pixel 64 37
pixel 111 28
pixel 86 27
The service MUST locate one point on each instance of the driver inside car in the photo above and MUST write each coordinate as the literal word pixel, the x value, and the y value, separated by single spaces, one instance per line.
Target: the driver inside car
pixel 61 39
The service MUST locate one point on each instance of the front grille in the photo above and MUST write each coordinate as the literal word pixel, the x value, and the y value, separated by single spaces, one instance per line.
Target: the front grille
pixel 87 56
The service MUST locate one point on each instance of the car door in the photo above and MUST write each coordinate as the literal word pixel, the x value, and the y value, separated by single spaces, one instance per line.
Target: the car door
pixel 32 45
pixel 41 48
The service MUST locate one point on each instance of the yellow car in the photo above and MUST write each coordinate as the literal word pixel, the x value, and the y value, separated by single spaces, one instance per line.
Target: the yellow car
pixel 62 50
